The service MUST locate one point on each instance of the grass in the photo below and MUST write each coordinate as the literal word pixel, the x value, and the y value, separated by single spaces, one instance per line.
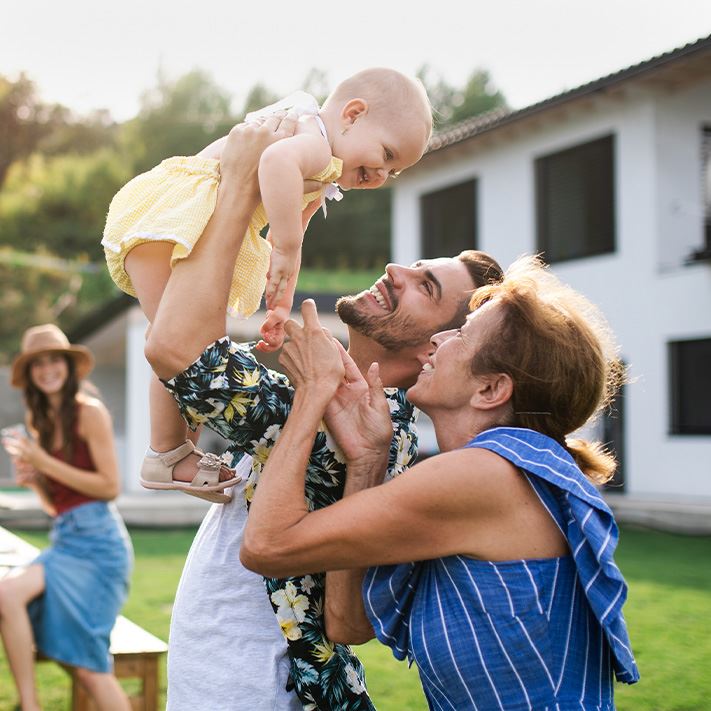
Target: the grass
pixel 337 281
pixel 668 614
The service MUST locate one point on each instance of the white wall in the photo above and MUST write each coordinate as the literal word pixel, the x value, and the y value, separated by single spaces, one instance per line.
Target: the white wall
pixel 644 288
pixel 138 378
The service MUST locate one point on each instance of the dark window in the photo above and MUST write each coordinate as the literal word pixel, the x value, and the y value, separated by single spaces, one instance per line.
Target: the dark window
pixel 690 380
pixel 613 436
pixel 575 202
pixel 706 184
pixel 449 220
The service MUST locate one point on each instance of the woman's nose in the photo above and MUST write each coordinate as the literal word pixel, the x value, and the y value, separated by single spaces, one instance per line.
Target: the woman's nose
pixel 439 338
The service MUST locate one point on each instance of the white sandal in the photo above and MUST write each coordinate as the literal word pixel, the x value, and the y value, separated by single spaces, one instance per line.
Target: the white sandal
pixel 157 473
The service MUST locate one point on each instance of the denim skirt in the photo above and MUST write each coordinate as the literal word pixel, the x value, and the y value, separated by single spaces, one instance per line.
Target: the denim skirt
pixel 86 571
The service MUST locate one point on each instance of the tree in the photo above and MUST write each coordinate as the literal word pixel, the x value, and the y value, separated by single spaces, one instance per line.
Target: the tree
pixel 451 104
pixel 60 203
pixel 316 83
pixel 24 120
pixel 177 118
pixel 257 98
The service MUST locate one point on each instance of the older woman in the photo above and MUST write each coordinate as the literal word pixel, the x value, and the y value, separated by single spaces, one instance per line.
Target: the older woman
pixel 516 602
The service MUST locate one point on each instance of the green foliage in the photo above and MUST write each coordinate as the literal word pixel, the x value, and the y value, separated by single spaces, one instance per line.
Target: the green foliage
pixel 24 120
pixel 58 294
pixel 356 234
pixel 60 203
pixel 258 97
pixel 452 104
pixel 80 135
pixel 177 118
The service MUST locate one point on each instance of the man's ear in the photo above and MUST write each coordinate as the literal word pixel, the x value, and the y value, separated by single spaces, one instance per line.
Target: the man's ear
pixel 492 391
pixel 352 111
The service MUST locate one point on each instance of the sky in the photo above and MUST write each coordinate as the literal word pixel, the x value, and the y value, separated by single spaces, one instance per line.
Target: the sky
pixel 92 54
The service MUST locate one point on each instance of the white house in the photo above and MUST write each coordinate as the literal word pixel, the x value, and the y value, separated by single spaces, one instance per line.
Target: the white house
pixel 612 183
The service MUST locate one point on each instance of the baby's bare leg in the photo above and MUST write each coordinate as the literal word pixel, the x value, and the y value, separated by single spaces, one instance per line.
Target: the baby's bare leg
pixel 148 266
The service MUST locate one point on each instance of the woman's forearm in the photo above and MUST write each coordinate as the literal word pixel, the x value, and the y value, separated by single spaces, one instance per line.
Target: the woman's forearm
pixel 346 621
pixel 279 501
pixel 89 483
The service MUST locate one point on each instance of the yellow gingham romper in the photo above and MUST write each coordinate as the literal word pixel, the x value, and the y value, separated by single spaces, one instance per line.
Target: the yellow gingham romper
pixel 173 203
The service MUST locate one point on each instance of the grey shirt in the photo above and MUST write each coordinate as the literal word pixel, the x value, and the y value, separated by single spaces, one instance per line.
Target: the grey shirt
pixel 226 651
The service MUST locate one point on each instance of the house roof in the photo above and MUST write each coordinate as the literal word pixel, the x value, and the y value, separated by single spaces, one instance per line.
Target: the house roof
pixel 484 123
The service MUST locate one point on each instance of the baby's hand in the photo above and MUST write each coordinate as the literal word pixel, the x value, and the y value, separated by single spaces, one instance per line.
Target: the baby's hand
pixel 282 266
pixel 272 330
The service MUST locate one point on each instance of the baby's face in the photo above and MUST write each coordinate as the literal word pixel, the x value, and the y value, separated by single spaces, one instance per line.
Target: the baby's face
pixel 373 150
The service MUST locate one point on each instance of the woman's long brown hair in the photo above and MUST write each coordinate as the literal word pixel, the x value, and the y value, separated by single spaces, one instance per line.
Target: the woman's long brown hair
pixel 41 418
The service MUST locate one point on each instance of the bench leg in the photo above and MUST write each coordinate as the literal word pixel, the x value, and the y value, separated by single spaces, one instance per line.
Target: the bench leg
pixel 150 683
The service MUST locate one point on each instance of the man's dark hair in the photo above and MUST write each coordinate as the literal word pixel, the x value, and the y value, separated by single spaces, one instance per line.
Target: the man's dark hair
pixel 483 269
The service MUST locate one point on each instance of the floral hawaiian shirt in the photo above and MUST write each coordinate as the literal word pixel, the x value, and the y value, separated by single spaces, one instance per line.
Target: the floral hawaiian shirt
pixel 227 390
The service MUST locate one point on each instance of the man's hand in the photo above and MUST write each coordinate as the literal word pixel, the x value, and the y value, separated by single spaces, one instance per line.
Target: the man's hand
pixel 246 142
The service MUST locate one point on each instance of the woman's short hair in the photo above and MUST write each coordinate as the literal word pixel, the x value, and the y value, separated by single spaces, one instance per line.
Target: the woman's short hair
pixel 560 353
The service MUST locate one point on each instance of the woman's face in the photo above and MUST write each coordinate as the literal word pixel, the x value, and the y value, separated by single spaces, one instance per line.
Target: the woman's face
pixel 446 380
pixel 49 372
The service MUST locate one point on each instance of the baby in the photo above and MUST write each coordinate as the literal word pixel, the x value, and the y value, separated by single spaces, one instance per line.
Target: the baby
pixel 372 126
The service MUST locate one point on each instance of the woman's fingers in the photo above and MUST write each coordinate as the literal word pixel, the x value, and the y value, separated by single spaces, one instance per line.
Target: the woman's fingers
pixel 353 373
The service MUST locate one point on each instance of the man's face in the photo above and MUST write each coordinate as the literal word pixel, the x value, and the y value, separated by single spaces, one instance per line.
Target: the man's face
pixel 408 304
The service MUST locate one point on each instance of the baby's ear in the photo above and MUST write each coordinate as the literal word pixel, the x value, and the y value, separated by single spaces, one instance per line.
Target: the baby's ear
pixel 353 110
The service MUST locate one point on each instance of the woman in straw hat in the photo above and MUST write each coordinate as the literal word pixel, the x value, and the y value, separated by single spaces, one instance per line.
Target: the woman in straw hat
pixel 66 601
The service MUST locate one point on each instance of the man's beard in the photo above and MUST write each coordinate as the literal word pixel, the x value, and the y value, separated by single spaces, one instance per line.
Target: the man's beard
pixel 392 331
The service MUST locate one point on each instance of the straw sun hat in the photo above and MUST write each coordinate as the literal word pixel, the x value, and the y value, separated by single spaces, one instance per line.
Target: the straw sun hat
pixel 48 338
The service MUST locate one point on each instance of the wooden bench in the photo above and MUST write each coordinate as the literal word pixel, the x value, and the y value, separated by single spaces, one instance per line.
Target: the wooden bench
pixel 136 652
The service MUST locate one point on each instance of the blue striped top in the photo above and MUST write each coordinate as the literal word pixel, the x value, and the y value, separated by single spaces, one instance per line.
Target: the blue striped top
pixel 521 634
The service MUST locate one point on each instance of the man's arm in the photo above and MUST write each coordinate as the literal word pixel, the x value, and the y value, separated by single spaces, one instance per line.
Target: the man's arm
pixel 345 617
pixel 192 310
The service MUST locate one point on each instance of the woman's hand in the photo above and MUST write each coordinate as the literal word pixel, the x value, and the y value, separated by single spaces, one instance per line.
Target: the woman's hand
pixel 358 415
pixel 26 475
pixel 311 358
pixel 24 450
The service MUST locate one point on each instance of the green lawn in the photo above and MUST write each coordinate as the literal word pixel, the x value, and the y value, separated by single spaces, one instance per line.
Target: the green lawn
pixel 337 281
pixel 668 613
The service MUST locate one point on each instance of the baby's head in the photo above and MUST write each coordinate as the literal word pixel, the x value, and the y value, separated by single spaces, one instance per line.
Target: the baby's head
pixel 379 122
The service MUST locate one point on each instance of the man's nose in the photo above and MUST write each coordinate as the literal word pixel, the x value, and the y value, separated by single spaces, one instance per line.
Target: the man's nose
pixel 396 273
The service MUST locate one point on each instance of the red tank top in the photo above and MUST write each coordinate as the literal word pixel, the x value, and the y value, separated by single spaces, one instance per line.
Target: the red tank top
pixel 63 496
